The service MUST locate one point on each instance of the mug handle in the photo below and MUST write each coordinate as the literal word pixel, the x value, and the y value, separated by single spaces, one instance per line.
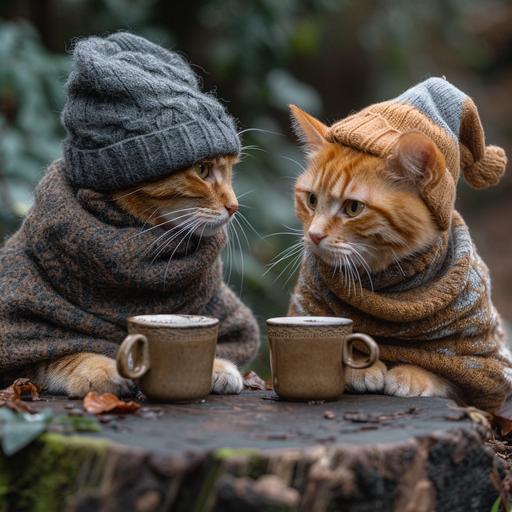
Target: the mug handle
pixel 140 367
pixel 348 349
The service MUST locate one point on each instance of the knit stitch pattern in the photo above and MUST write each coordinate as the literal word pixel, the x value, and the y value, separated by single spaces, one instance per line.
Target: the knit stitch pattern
pixel 80 266
pixel 135 113
pixel 433 310
pixel 449 117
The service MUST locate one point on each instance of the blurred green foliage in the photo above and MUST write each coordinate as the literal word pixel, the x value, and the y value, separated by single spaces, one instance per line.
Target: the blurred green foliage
pixel 328 56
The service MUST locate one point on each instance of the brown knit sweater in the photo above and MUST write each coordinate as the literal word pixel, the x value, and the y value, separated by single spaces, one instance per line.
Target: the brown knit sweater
pixel 434 312
pixel 78 268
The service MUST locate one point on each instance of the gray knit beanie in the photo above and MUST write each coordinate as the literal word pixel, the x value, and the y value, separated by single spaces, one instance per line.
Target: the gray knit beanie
pixel 135 113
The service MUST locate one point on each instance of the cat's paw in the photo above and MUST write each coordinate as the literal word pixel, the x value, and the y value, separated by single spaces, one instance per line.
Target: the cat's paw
pixel 410 380
pixel 78 374
pixel 367 380
pixel 226 379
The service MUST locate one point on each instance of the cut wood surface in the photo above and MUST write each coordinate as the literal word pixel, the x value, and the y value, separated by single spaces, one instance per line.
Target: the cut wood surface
pixel 254 452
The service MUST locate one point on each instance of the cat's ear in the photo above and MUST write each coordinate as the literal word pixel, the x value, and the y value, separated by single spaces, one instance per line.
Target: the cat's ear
pixel 310 130
pixel 416 158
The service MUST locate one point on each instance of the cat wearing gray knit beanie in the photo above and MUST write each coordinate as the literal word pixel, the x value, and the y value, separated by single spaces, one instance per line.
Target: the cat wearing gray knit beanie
pixel 130 221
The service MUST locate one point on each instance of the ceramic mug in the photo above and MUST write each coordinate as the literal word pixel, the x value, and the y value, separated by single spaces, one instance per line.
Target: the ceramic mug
pixel 170 356
pixel 308 355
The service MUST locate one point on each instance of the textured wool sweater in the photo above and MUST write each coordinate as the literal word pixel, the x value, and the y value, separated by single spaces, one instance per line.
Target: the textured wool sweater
pixel 433 311
pixel 79 267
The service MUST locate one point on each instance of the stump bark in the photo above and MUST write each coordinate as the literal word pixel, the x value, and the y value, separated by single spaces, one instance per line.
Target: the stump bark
pixel 253 452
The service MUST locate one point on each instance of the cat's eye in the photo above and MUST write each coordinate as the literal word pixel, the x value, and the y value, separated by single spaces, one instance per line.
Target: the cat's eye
pixel 203 169
pixel 353 208
pixel 312 200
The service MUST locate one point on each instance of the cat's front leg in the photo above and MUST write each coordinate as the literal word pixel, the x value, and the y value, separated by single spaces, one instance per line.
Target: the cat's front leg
pixel 226 379
pixel 77 374
pixel 409 380
pixel 367 380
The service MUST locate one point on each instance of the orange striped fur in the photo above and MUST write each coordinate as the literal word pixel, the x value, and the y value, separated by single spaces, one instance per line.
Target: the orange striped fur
pixel 184 194
pixel 394 221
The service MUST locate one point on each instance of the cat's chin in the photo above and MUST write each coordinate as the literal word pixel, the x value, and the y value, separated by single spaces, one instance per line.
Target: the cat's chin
pixel 337 259
pixel 329 257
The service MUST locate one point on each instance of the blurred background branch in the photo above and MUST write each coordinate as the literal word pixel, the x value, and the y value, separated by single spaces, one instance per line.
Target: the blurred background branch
pixel 328 56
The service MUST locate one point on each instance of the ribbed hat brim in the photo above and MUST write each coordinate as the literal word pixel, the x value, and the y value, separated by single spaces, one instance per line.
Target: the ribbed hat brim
pixel 149 157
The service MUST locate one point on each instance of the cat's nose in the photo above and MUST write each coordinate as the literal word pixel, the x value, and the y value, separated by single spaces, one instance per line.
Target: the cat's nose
pixel 231 208
pixel 316 237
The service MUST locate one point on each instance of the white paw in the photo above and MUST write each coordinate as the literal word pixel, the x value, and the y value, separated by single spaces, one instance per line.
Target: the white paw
pixel 368 380
pixel 409 380
pixel 226 379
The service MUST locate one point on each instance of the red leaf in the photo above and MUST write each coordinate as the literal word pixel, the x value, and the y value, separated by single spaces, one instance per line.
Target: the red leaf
pixel 107 402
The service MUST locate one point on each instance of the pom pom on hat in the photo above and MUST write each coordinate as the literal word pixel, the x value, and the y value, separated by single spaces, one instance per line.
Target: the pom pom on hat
pixel 487 171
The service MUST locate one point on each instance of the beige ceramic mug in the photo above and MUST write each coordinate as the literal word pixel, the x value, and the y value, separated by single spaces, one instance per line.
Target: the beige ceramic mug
pixel 308 355
pixel 170 356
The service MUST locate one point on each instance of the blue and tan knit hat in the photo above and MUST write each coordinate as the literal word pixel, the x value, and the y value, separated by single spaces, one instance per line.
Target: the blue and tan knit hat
pixel 446 115
pixel 135 113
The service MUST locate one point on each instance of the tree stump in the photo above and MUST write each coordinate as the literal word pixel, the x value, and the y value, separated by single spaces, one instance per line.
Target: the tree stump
pixel 253 452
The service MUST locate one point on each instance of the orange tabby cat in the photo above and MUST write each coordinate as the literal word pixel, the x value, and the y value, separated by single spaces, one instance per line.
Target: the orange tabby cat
pixel 199 199
pixel 359 207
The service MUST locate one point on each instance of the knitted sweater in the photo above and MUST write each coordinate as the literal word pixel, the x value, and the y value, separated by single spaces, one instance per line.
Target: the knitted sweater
pixel 434 311
pixel 78 268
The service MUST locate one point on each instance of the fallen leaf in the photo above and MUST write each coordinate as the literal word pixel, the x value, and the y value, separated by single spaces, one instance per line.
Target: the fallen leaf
pixel 329 415
pixel 107 402
pixel 504 424
pixel 11 396
pixel 253 381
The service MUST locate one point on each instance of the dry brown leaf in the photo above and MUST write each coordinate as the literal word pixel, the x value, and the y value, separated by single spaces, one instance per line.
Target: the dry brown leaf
pixel 253 381
pixel 107 402
pixel 12 395
pixel 503 423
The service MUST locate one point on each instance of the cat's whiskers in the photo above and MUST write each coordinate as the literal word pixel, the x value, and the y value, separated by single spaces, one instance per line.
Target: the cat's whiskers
pixel 262 130
pixel 245 194
pixel 168 232
pixel 301 167
pixel 227 248
pixel 397 263
pixel 298 260
pixel 116 198
pixel 161 223
pixel 155 210
pixel 237 239
pixel 362 260
pixel 243 218
pixel 191 230
pixel 293 250
pixel 186 226
pixel 199 213
pixel 290 265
